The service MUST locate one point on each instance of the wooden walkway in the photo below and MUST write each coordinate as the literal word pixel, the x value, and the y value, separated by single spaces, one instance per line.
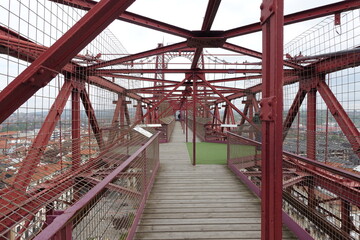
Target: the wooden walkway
pixel 202 202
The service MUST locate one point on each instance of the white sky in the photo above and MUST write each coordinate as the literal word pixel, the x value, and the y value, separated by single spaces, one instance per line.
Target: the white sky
pixel 189 14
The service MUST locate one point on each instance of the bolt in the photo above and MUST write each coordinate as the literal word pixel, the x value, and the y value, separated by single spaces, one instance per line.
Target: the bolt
pixel 262 6
pixel 40 71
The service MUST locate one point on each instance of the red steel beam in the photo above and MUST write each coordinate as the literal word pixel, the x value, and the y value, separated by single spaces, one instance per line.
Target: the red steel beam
pixel 293 111
pixel 130 77
pixel 255 54
pixel 311 125
pixel 75 129
pixel 131 18
pixel 22 52
pixel 257 88
pixel 183 70
pixel 230 104
pixel 342 118
pixel 272 18
pixel 211 10
pixel 236 79
pixel 32 159
pixel 155 51
pixel 149 111
pixel 299 17
pixel 47 66
pixel 337 63
pixel 92 118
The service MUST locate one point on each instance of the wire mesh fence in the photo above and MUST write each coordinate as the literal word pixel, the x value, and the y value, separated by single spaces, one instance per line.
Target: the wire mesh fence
pixel 323 200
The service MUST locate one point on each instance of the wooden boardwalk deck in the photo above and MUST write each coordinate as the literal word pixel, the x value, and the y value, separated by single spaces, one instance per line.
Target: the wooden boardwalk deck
pixel 202 202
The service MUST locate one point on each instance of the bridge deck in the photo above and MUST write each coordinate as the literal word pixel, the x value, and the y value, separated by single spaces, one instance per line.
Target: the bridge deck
pixel 202 202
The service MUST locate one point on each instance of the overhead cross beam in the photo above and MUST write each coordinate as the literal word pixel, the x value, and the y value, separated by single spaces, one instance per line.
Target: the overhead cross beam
pixel 131 18
pixel 47 66
pixel 153 52
pixel 298 17
pixel 210 14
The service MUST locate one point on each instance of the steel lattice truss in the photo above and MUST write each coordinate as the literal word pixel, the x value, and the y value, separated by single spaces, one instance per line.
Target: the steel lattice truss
pixel 71 100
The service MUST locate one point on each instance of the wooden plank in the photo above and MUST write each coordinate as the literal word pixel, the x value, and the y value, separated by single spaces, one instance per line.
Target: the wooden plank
pixel 202 210
pixel 201 202
pixel 197 227
pixel 255 214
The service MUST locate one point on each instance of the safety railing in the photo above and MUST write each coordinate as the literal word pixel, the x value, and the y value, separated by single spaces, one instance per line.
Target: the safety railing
pixel 166 129
pixel 112 207
pixel 207 132
pixel 320 201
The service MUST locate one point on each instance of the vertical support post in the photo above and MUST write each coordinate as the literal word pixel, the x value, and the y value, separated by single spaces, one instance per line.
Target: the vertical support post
pixel 251 115
pixel 272 20
pixel 122 110
pixel 194 121
pixel 186 123
pixel 148 118
pixel 75 128
pixel 345 217
pixel 311 125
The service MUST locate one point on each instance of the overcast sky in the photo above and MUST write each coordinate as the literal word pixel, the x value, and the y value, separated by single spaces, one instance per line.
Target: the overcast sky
pixel 189 14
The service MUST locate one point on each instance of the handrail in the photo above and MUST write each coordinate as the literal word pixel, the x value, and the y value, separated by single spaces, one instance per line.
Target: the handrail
pixel 61 221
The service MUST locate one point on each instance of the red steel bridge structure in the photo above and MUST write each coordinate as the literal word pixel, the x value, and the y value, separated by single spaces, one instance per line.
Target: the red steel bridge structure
pixel 81 119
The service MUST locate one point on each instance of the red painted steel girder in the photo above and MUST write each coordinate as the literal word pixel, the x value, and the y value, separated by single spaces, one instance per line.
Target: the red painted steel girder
pixel 342 118
pixel 32 159
pixel 298 17
pixel 328 177
pixel 15 204
pixel 236 79
pixel 132 18
pixel 211 10
pixel 186 71
pixel 131 77
pixel 230 104
pixel 210 14
pixel 47 66
pixel 293 111
pixel 92 118
pixel 327 65
pixel 272 20
pixel 159 87
pixel 257 88
pixel 199 91
pixel 155 51
pixel 337 62
pixel 255 54
pixel 27 55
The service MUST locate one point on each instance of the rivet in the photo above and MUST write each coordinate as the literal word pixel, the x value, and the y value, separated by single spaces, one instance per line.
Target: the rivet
pixel 271 8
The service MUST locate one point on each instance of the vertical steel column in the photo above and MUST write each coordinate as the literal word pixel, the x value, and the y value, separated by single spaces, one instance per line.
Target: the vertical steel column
pixel 272 20
pixel 194 121
pixel 311 125
pixel 251 115
pixel 75 128
pixel 122 110
pixel 345 217
pixel 311 142
pixel 186 123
